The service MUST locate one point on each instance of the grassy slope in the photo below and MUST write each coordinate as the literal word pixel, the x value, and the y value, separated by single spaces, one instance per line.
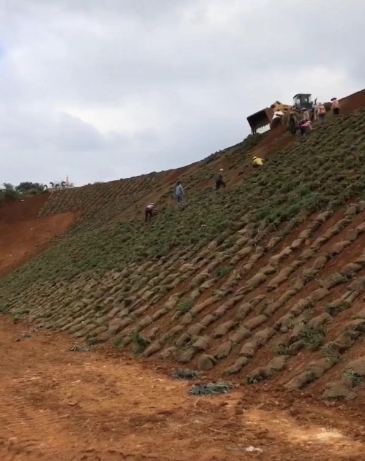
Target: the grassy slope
pixel 296 182
pixel 113 277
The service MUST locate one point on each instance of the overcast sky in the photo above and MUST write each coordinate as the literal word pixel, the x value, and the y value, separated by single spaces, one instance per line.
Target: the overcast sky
pixel 105 89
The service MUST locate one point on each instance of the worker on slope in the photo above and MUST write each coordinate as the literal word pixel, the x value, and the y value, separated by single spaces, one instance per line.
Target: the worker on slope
pixel 219 179
pixel 278 114
pixel 335 106
pixel 305 126
pixel 179 192
pixel 277 119
pixel 257 161
pixel 305 114
pixel 151 210
pixel 315 110
pixel 293 122
pixel 321 112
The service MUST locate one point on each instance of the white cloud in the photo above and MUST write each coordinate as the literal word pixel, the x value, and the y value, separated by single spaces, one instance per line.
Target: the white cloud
pixel 102 90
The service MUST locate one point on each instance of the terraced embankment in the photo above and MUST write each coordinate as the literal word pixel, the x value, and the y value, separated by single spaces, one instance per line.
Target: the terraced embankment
pixel 263 281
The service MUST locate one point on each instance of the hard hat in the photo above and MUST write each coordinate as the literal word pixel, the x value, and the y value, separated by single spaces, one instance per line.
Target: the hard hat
pixel 221 169
pixel 153 204
pixel 253 158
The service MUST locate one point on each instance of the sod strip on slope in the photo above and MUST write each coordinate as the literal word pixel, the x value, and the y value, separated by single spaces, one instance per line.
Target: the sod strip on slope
pixel 205 390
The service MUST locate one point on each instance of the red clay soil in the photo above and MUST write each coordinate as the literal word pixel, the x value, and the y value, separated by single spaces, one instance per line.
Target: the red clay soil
pixel 272 136
pixel 353 102
pixel 23 235
pixel 71 406
pixel 24 239
pixel 17 210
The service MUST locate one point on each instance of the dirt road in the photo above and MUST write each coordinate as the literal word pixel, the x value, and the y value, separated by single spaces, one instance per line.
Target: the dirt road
pixel 61 405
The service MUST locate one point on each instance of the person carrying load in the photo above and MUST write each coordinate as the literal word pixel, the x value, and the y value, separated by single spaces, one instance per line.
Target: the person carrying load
pixel 321 112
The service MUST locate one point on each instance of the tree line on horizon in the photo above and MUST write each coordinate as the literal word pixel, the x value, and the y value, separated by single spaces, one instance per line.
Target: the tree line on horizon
pixel 28 188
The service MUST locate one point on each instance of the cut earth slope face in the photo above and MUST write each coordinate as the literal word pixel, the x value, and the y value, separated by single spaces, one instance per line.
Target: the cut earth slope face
pixel 23 234
pixel 262 282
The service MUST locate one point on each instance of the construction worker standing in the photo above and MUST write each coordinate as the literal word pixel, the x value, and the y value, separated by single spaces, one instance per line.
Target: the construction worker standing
pixel 315 110
pixel 219 179
pixel 321 112
pixel 179 192
pixel 335 106
pixel 293 122
pixel 257 161
pixel 305 115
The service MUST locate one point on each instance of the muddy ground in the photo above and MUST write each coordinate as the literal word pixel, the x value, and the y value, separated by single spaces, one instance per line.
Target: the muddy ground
pixel 62 405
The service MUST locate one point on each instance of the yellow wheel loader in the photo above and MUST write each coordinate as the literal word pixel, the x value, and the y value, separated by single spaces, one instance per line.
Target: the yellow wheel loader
pixel 274 115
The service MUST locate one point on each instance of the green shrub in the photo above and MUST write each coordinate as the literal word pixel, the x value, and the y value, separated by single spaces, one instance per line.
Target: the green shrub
pixel 222 271
pixel 185 306
pixel 313 337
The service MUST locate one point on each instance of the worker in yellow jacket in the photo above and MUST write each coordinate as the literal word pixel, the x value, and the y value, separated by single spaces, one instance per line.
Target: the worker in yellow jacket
pixel 257 161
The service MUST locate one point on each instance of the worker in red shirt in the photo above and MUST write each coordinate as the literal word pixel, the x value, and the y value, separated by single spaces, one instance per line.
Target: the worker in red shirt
pixel 305 126
pixel 151 210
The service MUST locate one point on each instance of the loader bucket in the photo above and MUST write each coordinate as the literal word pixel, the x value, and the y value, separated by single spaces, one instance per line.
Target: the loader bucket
pixel 260 121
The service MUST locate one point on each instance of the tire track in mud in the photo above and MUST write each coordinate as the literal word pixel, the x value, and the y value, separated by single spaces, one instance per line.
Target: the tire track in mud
pixel 29 430
pixel 67 406
pixel 31 433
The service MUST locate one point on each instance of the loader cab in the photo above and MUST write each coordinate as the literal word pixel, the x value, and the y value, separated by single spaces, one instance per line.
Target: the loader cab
pixel 302 100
